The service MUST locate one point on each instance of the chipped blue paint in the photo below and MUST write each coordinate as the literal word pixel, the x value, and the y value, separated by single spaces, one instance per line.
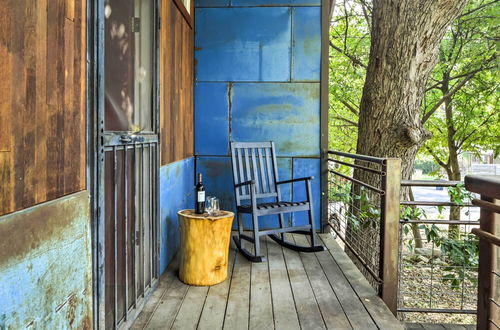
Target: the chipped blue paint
pixel 306 51
pixel 285 113
pixel 211 119
pixel 303 167
pixel 46 266
pixel 243 44
pixel 176 193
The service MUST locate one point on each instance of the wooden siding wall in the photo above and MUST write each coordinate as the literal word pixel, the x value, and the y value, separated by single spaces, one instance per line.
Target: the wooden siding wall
pixel 42 101
pixel 176 85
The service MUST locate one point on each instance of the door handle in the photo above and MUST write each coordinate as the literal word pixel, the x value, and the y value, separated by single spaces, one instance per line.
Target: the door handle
pixel 125 139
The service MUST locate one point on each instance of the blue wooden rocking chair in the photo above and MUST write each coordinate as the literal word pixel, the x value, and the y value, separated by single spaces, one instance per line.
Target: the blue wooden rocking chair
pixel 255 177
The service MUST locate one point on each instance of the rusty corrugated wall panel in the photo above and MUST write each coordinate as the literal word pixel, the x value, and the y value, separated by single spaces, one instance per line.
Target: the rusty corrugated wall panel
pixel 46 266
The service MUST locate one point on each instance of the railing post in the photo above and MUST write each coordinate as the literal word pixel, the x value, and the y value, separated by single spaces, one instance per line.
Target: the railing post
pixel 389 233
pixel 488 260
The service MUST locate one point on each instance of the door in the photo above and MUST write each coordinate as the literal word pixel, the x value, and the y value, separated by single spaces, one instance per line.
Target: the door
pixel 128 164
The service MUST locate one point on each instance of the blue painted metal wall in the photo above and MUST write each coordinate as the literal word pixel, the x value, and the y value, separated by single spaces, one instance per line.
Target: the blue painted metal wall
pixel 258 79
pixel 46 266
pixel 176 193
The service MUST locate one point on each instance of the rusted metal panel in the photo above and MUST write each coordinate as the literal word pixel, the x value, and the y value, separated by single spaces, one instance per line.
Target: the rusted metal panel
pixel 46 266
pixel 212 118
pixel 176 193
pixel 285 113
pixel 243 44
pixel 304 167
pixel 306 46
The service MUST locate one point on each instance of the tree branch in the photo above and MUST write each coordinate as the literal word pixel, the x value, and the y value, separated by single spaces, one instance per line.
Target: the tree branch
pixel 353 59
pixel 468 136
pixel 446 97
pixel 478 8
pixel 349 107
pixel 461 76
pixel 346 120
pixel 436 158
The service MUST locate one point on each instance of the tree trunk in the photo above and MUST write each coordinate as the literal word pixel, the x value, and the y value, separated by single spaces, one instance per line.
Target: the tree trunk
pixel 405 38
pixel 417 236
pixel 453 168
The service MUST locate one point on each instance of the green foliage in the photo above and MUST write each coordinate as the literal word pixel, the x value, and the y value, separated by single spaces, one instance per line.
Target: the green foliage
pixel 459 194
pixel 466 72
pixel 427 167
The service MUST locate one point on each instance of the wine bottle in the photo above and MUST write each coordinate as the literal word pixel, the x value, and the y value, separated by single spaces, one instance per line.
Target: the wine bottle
pixel 200 196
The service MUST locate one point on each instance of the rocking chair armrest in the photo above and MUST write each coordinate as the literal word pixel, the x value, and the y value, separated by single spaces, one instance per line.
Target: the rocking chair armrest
pixel 295 180
pixel 246 183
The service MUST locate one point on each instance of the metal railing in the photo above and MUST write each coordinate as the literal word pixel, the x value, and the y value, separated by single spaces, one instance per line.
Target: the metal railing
pixel 363 211
pixel 438 256
pixel 488 298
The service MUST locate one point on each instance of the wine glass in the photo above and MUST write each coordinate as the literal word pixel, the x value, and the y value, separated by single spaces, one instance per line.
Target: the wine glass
pixel 215 206
pixel 208 205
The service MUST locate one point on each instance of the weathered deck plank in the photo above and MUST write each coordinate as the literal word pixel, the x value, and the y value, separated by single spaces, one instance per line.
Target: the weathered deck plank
pixel 305 301
pixel 261 305
pixel 214 310
pixel 166 281
pixel 169 306
pixel 190 311
pixel 333 314
pixel 290 291
pixel 354 309
pixel 373 304
pixel 285 314
pixel 238 303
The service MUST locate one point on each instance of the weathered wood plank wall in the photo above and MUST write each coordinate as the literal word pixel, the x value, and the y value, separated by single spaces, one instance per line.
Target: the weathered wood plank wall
pixel 42 101
pixel 176 85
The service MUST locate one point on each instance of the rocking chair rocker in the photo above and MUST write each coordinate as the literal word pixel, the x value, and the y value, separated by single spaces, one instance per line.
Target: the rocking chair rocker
pixel 255 177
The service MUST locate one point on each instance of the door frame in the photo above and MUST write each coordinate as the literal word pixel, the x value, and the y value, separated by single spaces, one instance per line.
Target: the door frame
pixel 95 152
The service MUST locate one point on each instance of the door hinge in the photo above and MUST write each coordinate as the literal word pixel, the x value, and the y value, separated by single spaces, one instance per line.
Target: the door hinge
pixel 159 22
pixel 136 24
pixel 137 235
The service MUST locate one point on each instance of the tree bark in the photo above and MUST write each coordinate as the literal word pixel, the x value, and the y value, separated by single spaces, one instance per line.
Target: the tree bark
pixel 452 168
pixel 405 38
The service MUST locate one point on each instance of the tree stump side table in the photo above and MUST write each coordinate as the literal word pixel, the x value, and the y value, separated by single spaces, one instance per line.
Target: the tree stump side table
pixel 204 247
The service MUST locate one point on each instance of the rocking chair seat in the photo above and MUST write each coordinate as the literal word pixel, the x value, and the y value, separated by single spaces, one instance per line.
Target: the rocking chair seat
pixel 275 207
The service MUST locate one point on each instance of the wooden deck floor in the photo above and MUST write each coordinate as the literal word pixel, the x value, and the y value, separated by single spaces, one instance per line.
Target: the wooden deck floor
pixel 290 291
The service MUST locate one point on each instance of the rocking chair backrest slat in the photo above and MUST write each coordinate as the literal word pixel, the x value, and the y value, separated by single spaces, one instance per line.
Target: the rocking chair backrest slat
pixel 262 172
pixel 254 161
pixel 270 162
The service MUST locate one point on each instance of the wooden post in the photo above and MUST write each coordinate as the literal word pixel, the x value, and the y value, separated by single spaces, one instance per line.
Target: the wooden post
pixel 488 262
pixel 204 247
pixel 389 233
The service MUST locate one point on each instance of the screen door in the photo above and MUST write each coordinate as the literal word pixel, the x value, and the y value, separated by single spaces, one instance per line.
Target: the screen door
pixel 129 161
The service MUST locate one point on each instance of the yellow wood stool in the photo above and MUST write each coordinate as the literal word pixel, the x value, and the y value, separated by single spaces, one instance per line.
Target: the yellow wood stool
pixel 204 247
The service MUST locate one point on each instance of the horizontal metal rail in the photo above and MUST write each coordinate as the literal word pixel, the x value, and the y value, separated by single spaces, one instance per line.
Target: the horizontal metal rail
pixel 364 168
pixel 430 183
pixel 429 203
pixel 358 157
pixel 436 310
pixel 361 183
pixel 440 222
